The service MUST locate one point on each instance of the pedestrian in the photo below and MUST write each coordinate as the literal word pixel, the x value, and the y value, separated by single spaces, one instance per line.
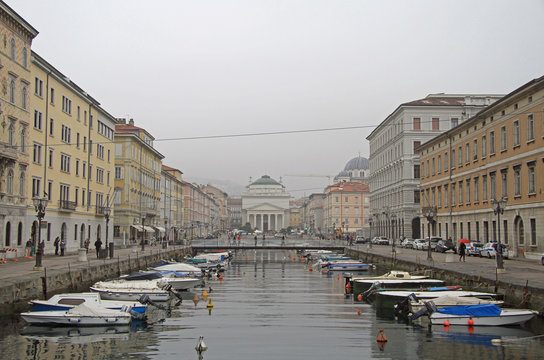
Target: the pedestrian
pixel 28 247
pixel 98 245
pixel 255 238
pixel 56 243
pixel 62 247
pixel 239 240
pixel 283 239
pixel 462 248
pixel 86 244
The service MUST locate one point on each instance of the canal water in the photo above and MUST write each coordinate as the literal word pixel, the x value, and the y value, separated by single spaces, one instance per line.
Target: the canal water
pixel 270 306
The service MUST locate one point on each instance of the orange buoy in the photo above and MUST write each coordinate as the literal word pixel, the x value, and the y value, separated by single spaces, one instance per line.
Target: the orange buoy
pixel 360 297
pixel 446 323
pixel 470 322
pixel 381 336
pixel 247 258
pixel 348 286
pixel 205 295
pixel 311 269
pixel 196 300
pixel 358 311
pixel 338 277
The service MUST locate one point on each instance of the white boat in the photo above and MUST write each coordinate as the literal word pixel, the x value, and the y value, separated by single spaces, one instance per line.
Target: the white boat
pixel 213 257
pixel 131 290
pixel 480 315
pixel 80 315
pixel 63 302
pixel 392 275
pixel 347 266
pixel 179 267
pixel 450 300
pixel 363 285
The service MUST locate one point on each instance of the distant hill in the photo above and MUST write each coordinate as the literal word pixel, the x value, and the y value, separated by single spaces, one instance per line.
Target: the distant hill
pixel 231 188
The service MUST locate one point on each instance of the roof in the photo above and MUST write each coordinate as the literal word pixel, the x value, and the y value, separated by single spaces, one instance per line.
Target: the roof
pixel 348 187
pixel 357 163
pixel 265 180
pixel 168 168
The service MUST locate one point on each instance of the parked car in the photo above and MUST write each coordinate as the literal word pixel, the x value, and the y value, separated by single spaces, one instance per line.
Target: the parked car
pixel 382 240
pixel 434 241
pixel 445 245
pixel 489 250
pixel 473 248
pixel 421 244
pixel 407 243
pixel 542 259
pixel 361 240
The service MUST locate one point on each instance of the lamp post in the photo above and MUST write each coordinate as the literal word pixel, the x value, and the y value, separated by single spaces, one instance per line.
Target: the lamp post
pixel 393 218
pixel 107 213
pixel 39 205
pixel 498 209
pixel 143 233
pixel 166 228
pixel 429 213
pixel 370 238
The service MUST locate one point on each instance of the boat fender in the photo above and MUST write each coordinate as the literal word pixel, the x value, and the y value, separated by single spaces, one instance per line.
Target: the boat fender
pixel 446 323
pixel 381 336
pixel 470 322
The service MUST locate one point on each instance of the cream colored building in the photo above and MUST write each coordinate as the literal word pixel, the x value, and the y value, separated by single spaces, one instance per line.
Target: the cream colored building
pixel 71 159
pixel 16 37
pixel 172 211
pixel 137 185
pixel 346 207
pixel 498 153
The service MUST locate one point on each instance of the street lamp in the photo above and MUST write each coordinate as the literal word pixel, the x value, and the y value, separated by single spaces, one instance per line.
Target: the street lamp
pixel 107 213
pixel 498 209
pixel 393 218
pixel 429 213
pixel 143 233
pixel 166 228
pixel 370 238
pixel 39 205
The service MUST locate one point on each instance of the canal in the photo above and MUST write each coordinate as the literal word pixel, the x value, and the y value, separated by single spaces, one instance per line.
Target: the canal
pixel 270 306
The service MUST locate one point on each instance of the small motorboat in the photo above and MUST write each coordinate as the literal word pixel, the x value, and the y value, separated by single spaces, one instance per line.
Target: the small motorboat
pixel 389 298
pixel 450 300
pixel 84 314
pixel 63 302
pixel 360 286
pixel 132 290
pixel 478 315
pixel 179 267
pixel 347 266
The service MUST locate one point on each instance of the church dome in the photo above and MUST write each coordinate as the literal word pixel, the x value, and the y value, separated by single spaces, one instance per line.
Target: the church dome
pixel 265 180
pixel 342 174
pixel 358 163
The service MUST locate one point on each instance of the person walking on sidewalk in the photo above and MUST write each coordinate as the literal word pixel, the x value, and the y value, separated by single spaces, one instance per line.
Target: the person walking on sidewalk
pixel 28 247
pixel 462 248
pixel 86 244
pixel 56 243
pixel 98 245
pixel 62 247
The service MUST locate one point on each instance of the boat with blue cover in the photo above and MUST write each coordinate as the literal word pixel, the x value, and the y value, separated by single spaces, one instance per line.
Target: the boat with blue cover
pixel 478 315
pixel 63 302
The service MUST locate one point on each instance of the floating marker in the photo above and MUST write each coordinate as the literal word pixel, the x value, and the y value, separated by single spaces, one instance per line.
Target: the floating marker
pixel 200 345
pixel 209 306
pixel 196 300
pixel 381 336
pixel 205 295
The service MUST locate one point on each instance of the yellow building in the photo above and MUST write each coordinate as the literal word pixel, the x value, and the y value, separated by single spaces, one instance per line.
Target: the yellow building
pixel 137 185
pixel 71 159
pixel 496 154
pixel 346 207
pixel 15 119
pixel 172 212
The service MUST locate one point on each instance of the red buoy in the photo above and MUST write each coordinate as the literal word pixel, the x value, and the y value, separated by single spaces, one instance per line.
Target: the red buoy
pixel 381 336
pixel 360 297
pixel 446 323
pixel 470 322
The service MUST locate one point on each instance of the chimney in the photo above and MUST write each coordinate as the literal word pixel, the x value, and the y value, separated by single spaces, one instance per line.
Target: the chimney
pixel 122 120
pixel 131 122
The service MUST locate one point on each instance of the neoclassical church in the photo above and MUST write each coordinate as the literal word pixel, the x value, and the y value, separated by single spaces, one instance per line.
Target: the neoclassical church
pixel 265 204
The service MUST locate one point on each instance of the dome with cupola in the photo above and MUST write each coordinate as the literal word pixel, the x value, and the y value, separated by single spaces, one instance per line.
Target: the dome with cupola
pixel 355 170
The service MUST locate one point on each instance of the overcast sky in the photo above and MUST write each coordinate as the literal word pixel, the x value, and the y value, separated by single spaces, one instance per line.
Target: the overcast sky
pixel 200 68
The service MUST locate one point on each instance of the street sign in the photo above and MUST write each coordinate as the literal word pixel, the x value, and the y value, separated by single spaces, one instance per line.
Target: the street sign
pixel 43 224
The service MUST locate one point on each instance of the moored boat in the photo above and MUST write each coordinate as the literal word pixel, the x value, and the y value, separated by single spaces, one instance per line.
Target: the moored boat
pixel 479 315
pixel 80 315
pixel 131 290
pixel 362 285
pixel 389 298
pixel 64 302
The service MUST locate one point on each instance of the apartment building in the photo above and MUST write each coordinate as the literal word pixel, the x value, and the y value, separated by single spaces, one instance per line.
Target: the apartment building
pixel 172 211
pixel 496 154
pixel 71 150
pixel 15 118
pixel 394 160
pixel 346 207
pixel 137 185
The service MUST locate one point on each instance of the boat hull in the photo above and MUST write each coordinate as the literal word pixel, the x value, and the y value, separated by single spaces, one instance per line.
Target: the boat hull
pixel 44 306
pixel 360 286
pixel 131 295
pixel 507 317
pixel 61 318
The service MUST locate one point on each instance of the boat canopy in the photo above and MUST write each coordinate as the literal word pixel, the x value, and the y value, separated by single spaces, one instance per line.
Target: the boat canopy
pixel 472 310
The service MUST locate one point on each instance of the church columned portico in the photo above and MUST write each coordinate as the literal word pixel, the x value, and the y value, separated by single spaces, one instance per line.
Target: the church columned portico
pixel 266 221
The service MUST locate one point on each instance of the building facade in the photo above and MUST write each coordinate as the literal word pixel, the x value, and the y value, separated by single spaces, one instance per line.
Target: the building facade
pixel 394 160
pixel 316 214
pixel 346 207
pixel 15 118
pixel 234 207
pixel 172 211
pixel 265 205
pixel 497 154
pixel 137 185
pixel 220 220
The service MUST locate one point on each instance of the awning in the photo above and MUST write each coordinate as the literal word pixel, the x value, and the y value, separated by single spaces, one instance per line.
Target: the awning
pixel 159 228
pixel 149 229
pixel 138 227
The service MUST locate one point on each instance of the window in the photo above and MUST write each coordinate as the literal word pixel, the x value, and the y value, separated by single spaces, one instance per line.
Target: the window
pixel 467 183
pixel 82 197
pixel 22 184
pixel 38 87
pixel 433 165
pixel 66 134
pixel 64 192
pixel 23 139
pixel 66 105
pixel 504 180
pixel 453 158
pixel 90 146
pixel 436 124
pixel 100 151
pixel 37 156
pixel 52 96
pixel 85 143
pixel 476 189
pixel 475 149
pixel 24 97
pixel 25 57
pixel 51 158
pixel 76 196
pixel 11 133
pixel 446 159
pixel 530 127
pixel 439 164
pixel 416 123
pixel 9 182
pixel 85 117
pixel 12 90
pixel 467 153
pixel 446 196
pixel 453 195
pixel 533 232
pixel 12 49
pixel 416 145
pixel 492 143
pixel 108 178
pixel 417 196
pixel 77 140
pixel 36 186
pixel 461 193
pixel 531 178
pixel 78 113
pixel 118 172
pixel 516 134
pixel 108 155
pixel 454 122
pixel 517 181
pixel 49 190
pixel 460 159
pixel 439 196
pixel 37 120
pixel 503 138
pixel 84 168
pixel 428 167
pixel 492 184
pixel 484 187
pixel 99 175
pixel 51 127
pixel 65 163
pixel 90 172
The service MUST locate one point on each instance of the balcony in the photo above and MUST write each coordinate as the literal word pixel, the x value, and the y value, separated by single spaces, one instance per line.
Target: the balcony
pixel 8 151
pixel 100 209
pixel 67 205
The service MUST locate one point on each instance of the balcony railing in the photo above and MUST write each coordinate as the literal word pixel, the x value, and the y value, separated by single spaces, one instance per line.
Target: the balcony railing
pixel 67 205
pixel 100 209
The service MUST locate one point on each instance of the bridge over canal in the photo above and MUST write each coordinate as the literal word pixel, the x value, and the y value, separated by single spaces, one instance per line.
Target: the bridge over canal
pixel 215 247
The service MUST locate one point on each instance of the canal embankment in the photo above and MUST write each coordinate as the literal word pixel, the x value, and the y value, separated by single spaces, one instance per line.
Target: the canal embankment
pixel 19 283
pixel 521 284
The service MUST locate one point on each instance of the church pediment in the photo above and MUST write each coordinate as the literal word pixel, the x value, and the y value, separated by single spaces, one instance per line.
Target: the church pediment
pixel 265 207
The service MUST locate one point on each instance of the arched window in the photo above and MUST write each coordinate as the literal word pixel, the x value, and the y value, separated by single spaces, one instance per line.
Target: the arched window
pixel 12 91
pixel 22 184
pixel 23 139
pixel 20 234
pixel 25 57
pixel 24 94
pixel 7 240
pixel 12 49
pixel 9 183
pixel 11 134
